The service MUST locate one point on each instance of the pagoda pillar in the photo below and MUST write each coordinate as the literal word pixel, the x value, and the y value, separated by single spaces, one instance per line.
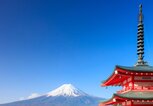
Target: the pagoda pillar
pixel 133 82
pixel 132 103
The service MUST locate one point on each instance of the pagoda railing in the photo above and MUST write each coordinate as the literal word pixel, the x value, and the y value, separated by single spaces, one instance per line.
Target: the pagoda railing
pixel 149 88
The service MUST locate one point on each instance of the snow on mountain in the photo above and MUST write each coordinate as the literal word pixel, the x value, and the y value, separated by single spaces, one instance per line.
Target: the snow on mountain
pixel 66 90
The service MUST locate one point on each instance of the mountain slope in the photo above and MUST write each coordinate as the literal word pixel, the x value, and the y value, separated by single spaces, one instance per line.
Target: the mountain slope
pixel 66 95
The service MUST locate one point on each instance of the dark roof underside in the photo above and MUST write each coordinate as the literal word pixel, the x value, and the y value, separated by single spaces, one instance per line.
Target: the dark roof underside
pixel 144 95
pixel 143 68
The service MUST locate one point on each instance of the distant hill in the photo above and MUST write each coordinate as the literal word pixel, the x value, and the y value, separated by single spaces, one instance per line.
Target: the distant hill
pixel 65 95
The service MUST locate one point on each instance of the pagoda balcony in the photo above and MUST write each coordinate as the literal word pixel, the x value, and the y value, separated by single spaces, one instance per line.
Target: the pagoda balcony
pixel 135 89
pixel 123 91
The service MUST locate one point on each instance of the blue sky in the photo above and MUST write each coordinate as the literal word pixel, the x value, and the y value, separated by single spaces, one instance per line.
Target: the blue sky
pixel 46 43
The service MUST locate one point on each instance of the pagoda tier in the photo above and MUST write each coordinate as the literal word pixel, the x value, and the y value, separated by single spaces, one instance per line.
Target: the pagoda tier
pixel 131 98
pixel 137 86
pixel 128 75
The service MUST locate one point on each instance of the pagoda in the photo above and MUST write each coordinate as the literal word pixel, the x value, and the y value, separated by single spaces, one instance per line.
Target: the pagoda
pixel 136 81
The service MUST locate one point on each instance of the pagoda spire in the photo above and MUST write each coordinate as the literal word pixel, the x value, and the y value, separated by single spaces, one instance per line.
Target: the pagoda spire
pixel 140 39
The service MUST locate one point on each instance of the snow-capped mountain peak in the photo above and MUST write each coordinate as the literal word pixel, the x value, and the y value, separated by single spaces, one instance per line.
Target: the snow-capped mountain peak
pixel 66 90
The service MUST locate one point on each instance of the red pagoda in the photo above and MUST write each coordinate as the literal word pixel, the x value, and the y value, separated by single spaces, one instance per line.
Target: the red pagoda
pixel 136 81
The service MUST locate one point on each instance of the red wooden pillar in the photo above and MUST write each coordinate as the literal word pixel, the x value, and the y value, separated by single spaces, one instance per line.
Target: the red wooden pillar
pixel 132 103
pixel 132 82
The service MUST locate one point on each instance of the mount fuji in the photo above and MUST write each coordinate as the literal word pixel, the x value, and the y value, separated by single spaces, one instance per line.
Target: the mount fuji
pixel 65 95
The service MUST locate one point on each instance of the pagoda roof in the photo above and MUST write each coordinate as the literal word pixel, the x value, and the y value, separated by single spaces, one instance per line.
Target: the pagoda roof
pixel 139 68
pixel 131 95
pixel 143 95
pixel 121 73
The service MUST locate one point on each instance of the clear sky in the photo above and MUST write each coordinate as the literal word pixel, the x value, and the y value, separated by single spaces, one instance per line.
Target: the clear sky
pixel 46 43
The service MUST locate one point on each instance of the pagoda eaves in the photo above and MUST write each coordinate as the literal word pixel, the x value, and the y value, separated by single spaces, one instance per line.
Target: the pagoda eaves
pixel 132 98
pixel 122 73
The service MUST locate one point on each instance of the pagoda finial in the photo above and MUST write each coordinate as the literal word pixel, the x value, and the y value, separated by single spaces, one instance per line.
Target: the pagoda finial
pixel 140 39
pixel 140 13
